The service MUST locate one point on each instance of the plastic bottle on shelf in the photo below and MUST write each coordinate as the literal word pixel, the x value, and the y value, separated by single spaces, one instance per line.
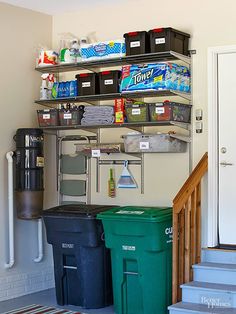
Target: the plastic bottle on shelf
pixel 55 88
pixel 75 50
pixel 44 87
pixel 73 88
pixel 51 80
pixel 67 89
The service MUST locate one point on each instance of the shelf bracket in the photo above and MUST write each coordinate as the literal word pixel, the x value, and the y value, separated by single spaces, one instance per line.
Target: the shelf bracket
pixel 186 139
pixel 180 124
pixel 182 94
pixel 181 57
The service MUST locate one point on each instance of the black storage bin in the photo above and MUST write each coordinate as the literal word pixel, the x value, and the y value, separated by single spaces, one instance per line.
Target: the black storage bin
pixel 47 117
pixel 87 84
pixel 137 43
pixel 166 39
pixel 170 111
pixel 109 81
pixel 71 116
pixel 82 263
pixel 136 113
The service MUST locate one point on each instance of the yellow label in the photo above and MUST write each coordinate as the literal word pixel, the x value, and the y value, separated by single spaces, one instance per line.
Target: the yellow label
pixel 40 162
pixel 158 78
pixel 111 44
pixel 119 117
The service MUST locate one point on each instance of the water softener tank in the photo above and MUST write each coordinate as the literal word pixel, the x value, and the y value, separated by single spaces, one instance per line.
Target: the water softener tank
pixel 29 173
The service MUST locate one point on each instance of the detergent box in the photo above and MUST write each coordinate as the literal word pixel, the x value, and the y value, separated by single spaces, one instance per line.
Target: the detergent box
pixel 102 50
pixel 155 76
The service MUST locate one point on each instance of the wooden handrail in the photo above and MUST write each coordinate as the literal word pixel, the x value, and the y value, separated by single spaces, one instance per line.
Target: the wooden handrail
pixel 187 228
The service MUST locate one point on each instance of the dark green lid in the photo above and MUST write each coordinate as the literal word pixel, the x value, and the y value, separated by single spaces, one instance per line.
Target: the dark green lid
pixel 137 213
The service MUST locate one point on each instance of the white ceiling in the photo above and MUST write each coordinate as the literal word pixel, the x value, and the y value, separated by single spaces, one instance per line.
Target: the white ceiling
pixel 53 7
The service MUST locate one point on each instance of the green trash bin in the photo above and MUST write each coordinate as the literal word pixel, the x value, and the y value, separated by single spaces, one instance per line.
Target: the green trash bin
pixel 140 239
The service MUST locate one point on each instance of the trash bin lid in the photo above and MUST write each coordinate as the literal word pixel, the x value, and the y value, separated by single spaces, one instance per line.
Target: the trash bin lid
pixel 137 213
pixel 82 210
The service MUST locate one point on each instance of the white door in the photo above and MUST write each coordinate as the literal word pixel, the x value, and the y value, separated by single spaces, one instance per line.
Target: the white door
pixel 227 147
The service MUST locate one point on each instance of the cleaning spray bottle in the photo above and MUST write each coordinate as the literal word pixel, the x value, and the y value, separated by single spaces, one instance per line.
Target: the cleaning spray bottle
pixel 111 185
pixel 44 87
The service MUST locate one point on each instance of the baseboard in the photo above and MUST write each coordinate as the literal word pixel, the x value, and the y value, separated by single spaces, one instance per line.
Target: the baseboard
pixel 227 247
pixel 19 284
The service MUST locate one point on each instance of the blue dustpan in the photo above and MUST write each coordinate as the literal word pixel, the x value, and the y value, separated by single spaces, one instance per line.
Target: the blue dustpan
pixel 126 180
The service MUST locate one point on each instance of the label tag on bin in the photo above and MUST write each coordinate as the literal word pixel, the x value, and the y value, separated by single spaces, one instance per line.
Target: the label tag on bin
pixel 130 212
pixel 96 153
pixel 128 248
pixel 144 145
pixel 159 41
pixel 134 44
pixel 108 82
pixel 46 116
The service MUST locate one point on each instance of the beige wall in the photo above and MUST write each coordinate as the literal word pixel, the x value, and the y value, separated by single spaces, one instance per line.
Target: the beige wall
pixel 21 31
pixel 210 23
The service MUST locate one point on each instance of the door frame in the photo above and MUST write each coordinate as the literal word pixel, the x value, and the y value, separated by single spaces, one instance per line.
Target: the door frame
pixel 213 134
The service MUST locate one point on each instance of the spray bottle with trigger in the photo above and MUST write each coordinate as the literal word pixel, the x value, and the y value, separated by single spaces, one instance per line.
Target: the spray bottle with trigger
pixel 44 87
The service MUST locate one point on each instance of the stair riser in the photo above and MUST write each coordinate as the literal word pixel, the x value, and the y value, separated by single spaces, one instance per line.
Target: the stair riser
pixel 184 312
pixel 215 276
pixel 215 256
pixel 209 297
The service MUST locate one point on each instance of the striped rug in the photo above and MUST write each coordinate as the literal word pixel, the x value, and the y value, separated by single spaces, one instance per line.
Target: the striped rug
pixel 40 309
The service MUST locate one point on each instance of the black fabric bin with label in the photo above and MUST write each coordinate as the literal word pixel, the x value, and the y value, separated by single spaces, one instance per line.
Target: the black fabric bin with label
pixel 109 81
pixel 166 39
pixel 82 265
pixel 137 43
pixel 87 84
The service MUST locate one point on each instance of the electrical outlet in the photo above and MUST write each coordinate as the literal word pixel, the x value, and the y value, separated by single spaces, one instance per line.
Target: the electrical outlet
pixel 198 127
pixel 198 114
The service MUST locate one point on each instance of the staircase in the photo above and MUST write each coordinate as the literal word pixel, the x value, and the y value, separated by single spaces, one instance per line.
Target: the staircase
pixel 213 289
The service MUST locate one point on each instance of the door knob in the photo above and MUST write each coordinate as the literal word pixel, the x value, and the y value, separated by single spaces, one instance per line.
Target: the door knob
pixel 224 164
pixel 223 150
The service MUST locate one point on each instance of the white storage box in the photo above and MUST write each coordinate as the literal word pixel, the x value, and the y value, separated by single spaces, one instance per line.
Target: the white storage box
pixel 153 143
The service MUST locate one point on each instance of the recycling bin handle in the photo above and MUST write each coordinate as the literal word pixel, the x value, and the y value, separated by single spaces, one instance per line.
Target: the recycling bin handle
pixel 130 273
pixel 69 267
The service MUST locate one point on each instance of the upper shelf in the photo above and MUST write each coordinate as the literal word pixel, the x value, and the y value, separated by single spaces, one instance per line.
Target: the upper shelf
pixel 91 65
pixel 101 97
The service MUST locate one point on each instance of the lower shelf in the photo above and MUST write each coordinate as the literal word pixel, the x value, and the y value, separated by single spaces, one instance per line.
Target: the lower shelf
pixel 116 125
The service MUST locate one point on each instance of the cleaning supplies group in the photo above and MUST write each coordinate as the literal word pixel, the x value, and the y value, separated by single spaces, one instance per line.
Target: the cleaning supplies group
pixel 50 89
pixel 73 50
pixel 69 52
pixel 126 180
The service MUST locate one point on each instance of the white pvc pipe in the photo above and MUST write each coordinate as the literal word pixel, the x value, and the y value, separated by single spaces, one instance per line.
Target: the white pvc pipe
pixel 11 262
pixel 40 242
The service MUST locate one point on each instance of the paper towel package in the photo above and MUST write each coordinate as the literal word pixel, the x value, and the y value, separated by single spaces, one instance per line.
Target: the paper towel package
pixel 102 50
pixel 155 76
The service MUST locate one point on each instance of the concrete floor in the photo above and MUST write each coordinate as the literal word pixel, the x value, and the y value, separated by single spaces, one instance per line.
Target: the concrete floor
pixel 47 298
